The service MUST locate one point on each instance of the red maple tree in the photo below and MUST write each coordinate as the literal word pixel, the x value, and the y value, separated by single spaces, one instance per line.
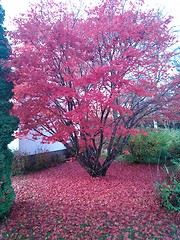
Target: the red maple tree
pixel 89 81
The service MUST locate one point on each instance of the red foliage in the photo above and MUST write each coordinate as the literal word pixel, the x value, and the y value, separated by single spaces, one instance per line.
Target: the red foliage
pixel 92 81
pixel 66 203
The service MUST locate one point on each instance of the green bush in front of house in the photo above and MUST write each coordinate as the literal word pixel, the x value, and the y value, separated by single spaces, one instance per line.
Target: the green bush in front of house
pixel 23 164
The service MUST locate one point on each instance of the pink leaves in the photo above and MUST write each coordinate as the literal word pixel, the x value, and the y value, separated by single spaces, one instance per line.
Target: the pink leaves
pixel 93 78
pixel 66 202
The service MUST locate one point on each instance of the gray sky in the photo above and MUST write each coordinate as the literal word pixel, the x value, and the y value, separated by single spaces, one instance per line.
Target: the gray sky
pixel 171 7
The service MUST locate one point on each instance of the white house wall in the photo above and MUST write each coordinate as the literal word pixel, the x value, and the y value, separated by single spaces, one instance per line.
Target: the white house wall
pixel 14 145
pixel 28 146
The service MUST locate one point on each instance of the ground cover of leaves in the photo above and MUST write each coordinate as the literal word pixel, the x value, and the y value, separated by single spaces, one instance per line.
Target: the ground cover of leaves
pixel 64 202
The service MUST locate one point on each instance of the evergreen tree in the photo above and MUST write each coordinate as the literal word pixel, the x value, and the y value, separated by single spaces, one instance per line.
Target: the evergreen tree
pixel 8 124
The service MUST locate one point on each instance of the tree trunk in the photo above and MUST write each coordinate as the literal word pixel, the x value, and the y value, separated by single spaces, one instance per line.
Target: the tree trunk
pixel 89 160
pixel 98 172
pixel 94 170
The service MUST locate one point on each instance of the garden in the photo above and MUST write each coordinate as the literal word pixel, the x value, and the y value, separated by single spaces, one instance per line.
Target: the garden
pixel 64 202
pixel 103 80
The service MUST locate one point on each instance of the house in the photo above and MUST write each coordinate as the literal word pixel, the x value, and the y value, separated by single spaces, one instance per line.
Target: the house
pixel 29 146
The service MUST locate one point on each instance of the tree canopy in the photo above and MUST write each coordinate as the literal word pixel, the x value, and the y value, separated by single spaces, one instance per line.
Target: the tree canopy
pixel 89 81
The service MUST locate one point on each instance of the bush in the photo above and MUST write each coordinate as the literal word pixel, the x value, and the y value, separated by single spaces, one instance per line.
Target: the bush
pixel 7 194
pixel 169 189
pixel 8 124
pixel 174 149
pixel 24 164
pixel 157 147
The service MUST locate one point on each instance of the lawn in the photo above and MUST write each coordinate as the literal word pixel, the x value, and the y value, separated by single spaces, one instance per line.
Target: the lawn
pixel 64 202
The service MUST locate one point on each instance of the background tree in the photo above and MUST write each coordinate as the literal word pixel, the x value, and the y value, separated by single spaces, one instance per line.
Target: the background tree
pixel 8 124
pixel 90 82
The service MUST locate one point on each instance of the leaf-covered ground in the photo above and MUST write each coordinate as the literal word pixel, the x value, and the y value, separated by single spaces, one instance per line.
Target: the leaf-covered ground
pixel 65 203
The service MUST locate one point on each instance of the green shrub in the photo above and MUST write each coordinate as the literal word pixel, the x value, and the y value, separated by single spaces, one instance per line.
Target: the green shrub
pixel 7 194
pixel 174 149
pixel 157 147
pixel 8 124
pixel 169 189
pixel 24 164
